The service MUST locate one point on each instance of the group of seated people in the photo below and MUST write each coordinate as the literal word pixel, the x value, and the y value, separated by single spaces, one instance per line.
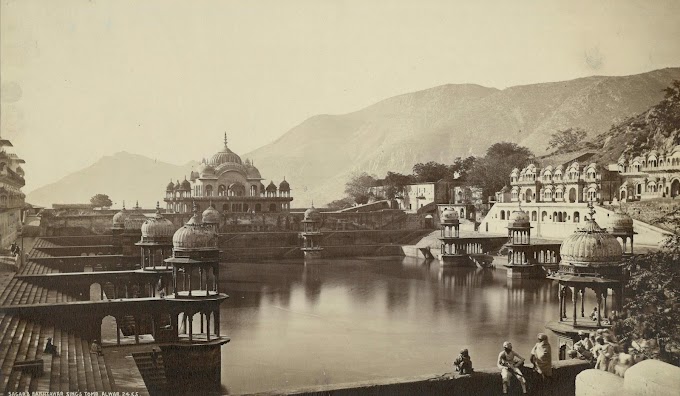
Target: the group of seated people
pixel 602 349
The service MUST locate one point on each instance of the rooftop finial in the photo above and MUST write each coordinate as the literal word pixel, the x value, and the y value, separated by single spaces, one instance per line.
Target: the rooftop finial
pixel 137 205
pixel 158 207
pixel 225 139
pixel 194 207
pixel 591 210
pixel 123 204
pixel 312 203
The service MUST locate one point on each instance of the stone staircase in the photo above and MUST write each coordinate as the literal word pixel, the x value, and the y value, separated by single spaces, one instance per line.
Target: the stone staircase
pixel 23 365
pixel 153 373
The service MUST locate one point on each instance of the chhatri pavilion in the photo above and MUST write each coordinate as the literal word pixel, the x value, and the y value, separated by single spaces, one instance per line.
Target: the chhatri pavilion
pixel 591 260
pixel 228 184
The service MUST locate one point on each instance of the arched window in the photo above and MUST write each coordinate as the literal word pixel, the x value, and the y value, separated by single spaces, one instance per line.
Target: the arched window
pixel 502 215
pixel 577 217
pixel 222 190
pixel 208 190
pixel 534 215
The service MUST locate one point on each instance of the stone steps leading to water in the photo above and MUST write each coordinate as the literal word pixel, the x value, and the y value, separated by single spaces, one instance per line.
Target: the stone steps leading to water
pixel 153 373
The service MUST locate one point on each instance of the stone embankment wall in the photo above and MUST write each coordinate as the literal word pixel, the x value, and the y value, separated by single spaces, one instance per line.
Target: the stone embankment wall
pixel 83 222
pixel 270 245
pixel 482 382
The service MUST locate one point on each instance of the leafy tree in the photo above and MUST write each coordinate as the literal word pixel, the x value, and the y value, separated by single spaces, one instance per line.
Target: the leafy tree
pixel 343 203
pixel 567 139
pixel 492 171
pixel 358 185
pixel 462 166
pixel 431 172
pixel 395 182
pixel 652 308
pixel 101 201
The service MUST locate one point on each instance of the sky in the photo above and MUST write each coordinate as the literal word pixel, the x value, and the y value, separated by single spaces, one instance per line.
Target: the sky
pixel 81 79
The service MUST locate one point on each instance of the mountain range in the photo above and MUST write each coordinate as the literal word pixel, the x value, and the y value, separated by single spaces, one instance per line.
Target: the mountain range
pixel 123 176
pixel 436 124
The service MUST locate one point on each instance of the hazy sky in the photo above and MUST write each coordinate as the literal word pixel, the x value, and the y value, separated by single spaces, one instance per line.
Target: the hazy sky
pixel 82 79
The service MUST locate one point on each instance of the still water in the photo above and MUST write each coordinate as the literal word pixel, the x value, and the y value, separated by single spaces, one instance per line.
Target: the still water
pixel 333 321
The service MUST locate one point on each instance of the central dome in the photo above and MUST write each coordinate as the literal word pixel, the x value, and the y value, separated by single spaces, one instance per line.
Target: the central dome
pixel 225 156
pixel 591 245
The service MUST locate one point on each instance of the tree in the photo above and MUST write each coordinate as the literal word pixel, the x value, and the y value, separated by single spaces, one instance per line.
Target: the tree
pixel 461 167
pixel 395 182
pixel 567 140
pixel 343 203
pixel 358 185
pixel 492 171
pixel 101 201
pixel 431 172
pixel 652 309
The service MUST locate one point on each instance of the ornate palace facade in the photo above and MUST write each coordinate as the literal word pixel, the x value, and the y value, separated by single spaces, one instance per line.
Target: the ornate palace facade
pixel 229 185
pixel 653 174
pixel 11 198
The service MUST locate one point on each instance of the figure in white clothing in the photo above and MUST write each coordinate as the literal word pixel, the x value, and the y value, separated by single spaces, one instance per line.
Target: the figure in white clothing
pixel 510 362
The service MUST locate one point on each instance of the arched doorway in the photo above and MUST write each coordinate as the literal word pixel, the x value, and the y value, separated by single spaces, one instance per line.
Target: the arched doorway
pixel 623 194
pixel 528 195
pixel 675 188
pixel 572 195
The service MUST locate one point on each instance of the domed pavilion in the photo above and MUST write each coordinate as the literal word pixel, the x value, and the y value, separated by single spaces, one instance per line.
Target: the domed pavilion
pixel 311 234
pixel 591 259
pixel 156 241
pixel 527 260
pixel 230 184
pixel 450 253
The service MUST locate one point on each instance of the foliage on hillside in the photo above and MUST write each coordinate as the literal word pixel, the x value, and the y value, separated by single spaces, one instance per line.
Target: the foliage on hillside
pixel 652 309
pixel 656 128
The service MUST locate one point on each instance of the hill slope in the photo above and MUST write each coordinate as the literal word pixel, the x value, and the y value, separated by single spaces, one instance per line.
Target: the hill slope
pixel 123 176
pixel 445 122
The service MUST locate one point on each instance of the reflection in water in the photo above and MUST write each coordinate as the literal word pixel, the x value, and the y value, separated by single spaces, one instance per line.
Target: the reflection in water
pixel 295 324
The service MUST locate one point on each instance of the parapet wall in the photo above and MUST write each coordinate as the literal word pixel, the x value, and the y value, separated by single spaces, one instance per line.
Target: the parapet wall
pixel 83 222
pixel 547 225
pixel 481 382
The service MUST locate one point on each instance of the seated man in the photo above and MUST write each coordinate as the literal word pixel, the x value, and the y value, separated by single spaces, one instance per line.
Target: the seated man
pixel 510 362
pixel 50 348
pixel 463 363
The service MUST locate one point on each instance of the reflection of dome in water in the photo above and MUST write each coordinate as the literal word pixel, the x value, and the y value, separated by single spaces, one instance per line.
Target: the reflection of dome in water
pixel 519 219
pixel 157 226
pixel 450 216
pixel 591 245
